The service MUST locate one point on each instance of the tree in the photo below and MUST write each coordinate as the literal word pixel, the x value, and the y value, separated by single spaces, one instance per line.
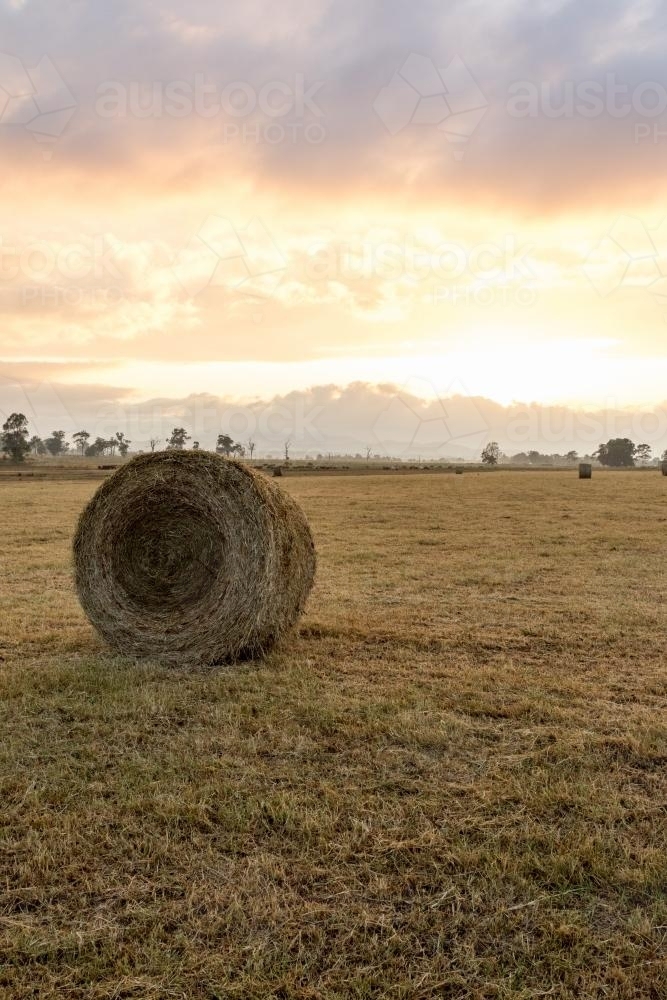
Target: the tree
pixel 491 453
pixel 225 445
pixel 195 445
pixel 572 456
pixel 15 437
pixel 617 453
pixel 287 448
pixel 37 446
pixel 643 453
pixel 251 447
pixel 153 443
pixel 176 441
pixel 56 444
pixel 98 447
pixel 123 443
pixel 81 438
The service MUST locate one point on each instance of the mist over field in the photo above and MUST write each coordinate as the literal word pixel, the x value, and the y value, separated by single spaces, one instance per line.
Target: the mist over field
pixel 407 420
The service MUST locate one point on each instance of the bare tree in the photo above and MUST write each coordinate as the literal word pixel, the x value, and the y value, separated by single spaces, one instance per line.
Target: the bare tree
pixel 81 438
pixel 643 453
pixel 368 453
pixel 123 443
pixel 153 443
pixel 287 448
pixel 37 446
pixel 251 447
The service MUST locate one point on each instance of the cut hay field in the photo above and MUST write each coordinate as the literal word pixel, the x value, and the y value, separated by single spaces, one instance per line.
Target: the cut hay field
pixel 451 782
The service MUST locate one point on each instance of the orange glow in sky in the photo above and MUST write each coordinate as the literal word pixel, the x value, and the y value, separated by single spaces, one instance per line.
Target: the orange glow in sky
pixel 246 203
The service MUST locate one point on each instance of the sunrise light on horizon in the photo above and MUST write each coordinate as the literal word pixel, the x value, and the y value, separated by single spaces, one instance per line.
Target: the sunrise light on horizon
pixel 258 204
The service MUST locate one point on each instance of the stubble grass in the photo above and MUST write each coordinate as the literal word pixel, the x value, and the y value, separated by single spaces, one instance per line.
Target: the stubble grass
pixel 450 781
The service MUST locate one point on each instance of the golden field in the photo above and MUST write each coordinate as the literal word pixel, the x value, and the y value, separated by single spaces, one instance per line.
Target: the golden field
pixel 450 782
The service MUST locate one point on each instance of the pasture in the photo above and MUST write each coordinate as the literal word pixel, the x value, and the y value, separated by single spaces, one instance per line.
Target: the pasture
pixel 451 781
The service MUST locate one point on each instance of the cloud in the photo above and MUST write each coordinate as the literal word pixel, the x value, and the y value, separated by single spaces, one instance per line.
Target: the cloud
pixel 52 405
pixel 273 74
pixel 268 119
pixel 389 420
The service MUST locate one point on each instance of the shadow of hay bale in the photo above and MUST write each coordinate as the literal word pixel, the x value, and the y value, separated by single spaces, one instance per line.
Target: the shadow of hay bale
pixel 188 557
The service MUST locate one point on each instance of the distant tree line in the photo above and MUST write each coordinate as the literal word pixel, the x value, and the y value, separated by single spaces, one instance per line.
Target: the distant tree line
pixel 16 442
pixel 617 453
pixel 225 445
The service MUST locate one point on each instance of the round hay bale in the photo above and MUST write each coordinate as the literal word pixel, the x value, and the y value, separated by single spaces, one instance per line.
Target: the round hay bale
pixel 585 470
pixel 190 558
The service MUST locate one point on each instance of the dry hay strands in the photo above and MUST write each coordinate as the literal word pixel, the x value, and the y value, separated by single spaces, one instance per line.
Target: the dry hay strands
pixel 190 558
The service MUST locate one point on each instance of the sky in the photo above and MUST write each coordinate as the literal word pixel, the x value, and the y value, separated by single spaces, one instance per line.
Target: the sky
pixel 383 207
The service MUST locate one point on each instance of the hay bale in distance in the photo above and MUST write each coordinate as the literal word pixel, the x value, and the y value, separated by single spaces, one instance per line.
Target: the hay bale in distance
pixel 277 471
pixel 585 470
pixel 190 558
pixel 663 466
